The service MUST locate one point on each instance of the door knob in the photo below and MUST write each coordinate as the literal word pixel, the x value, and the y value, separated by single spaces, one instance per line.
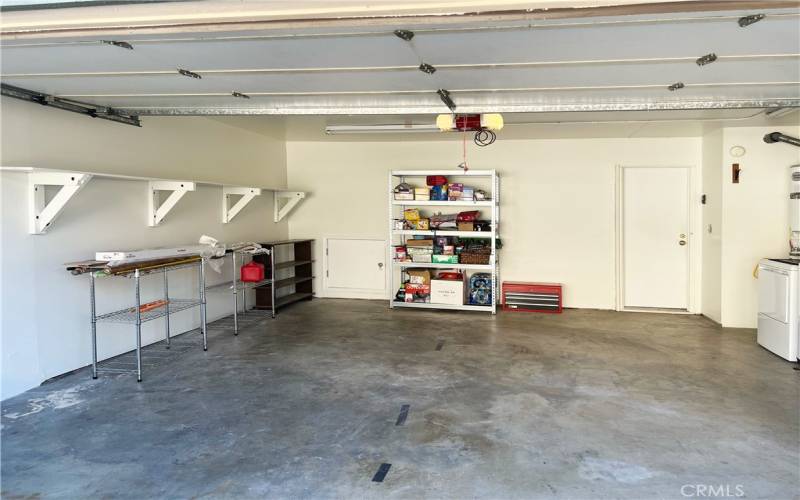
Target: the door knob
pixel 380 265
pixel 682 242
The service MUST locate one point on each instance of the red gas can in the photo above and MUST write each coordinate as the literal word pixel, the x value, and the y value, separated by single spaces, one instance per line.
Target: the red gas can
pixel 252 272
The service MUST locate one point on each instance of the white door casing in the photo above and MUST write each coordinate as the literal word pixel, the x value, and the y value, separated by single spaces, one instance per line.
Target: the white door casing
pixel 354 268
pixel 654 238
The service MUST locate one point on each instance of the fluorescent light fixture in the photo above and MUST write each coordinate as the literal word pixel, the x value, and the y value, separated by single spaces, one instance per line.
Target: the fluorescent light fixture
pixel 380 129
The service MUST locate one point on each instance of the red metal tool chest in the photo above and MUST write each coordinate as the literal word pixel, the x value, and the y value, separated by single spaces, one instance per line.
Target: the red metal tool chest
pixel 532 297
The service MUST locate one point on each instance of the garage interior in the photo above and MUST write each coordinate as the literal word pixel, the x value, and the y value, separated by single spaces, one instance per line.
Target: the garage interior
pixel 451 249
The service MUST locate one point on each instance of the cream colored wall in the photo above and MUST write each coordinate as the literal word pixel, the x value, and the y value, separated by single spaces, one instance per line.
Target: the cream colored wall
pixel 557 203
pixel 755 215
pixel 227 151
pixel 44 311
pixel 712 226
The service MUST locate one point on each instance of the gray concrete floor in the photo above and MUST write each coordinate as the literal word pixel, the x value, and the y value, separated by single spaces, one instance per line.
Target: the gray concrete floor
pixel 587 404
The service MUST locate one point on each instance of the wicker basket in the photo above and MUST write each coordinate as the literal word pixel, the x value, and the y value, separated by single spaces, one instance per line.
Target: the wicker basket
pixel 471 257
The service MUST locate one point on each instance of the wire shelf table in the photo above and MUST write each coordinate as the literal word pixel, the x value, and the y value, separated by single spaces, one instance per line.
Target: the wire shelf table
pixel 135 316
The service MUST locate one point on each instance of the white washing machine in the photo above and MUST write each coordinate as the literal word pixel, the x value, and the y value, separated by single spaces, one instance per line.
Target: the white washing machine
pixel 778 309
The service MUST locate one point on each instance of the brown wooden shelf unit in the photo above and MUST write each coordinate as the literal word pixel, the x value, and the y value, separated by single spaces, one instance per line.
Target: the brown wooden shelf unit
pixel 300 275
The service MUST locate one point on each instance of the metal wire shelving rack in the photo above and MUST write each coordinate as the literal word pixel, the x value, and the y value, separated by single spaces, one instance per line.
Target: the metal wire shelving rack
pixel 235 286
pixel 135 316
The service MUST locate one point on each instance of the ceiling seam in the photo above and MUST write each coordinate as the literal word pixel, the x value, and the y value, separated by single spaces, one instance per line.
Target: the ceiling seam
pixel 426 91
pixel 434 31
pixel 453 66
pixel 525 14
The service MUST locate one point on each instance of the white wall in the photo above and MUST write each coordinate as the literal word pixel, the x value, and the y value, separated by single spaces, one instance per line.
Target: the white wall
pixel 557 200
pixel 227 151
pixel 712 226
pixel 755 216
pixel 44 310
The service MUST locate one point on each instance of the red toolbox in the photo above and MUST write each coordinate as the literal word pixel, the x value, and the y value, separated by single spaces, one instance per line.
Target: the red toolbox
pixel 532 297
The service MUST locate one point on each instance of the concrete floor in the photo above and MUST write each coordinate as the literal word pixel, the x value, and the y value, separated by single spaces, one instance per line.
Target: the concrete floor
pixel 587 404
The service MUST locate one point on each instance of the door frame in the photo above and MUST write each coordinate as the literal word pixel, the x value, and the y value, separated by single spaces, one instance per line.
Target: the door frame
pixel 352 293
pixel 694 239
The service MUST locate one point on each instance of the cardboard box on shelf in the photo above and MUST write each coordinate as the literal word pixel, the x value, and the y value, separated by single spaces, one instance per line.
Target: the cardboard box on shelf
pixel 422 194
pixel 403 191
pixel 466 226
pixel 419 243
pixel 411 214
pixel 423 258
pixel 445 259
pixel 419 250
pixel 417 293
pixel 447 292
pixel 454 191
pixel 419 276
pixel 423 225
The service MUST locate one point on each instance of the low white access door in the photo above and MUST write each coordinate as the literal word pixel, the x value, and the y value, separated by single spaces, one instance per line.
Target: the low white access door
pixel 655 237
pixel 355 268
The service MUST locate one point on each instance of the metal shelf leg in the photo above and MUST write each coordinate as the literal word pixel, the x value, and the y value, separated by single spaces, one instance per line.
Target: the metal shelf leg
pixel 166 298
pixel 203 304
pixel 274 279
pixel 94 325
pixel 235 297
pixel 138 329
pixel 244 299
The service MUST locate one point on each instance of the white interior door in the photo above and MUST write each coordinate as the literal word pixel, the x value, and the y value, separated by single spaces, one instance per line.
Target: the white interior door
pixel 355 268
pixel 655 232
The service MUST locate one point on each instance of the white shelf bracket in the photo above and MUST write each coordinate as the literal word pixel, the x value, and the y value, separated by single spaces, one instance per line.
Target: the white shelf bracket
pixel 42 213
pixel 156 210
pixel 292 199
pixel 247 194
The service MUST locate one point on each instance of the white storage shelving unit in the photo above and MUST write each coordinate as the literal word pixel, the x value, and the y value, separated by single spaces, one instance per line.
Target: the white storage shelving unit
pixel 397 237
